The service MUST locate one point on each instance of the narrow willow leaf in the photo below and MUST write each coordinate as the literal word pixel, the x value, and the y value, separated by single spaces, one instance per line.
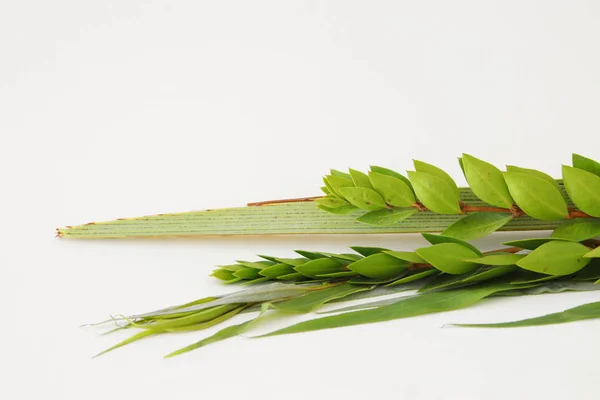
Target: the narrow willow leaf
pixel 418 305
pixel 335 183
pixel 255 281
pixel 476 225
pixel 377 281
pixel 533 243
pixel 409 256
pixel 486 181
pixel 534 172
pixel 270 292
pixel 435 193
pixel 314 300
pixel 498 259
pixel 523 277
pixel 415 277
pixel 389 172
pixel 134 338
pixel 583 188
pixel 371 304
pixel 226 333
pixel 393 190
pixel 331 202
pixel 313 268
pixel 343 210
pixel 360 179
pixel 536 196
pixel 577 230
pixel 363 198
pixel 446 281
pixel 556 258
pixel 586 311
pixel 294 276
pixel 448 257
pixel 386 216
pixel 421 166
pixel 436 239
pixel 367 251
pixel 379 266
pixel 593 254
pixel 187 320
pixel 587 164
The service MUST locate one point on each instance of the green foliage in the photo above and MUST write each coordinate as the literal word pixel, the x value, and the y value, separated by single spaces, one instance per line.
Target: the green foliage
pixel 474 226
pixel 486 181
pixel 536 196
pixel 380 266
pixel 586 164
pixel 577 230
pixel 583 188
pixel 448 257
pixel 386 216
pixel 435 193
pixel 556 258
pixel 363 198
pixel 394 191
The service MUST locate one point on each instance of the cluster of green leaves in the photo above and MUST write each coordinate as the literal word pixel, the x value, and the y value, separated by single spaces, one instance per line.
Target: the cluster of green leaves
pixel 446 258
pixel 390 197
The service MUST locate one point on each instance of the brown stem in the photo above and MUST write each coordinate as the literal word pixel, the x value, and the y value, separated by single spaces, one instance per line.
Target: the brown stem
pixel 296 200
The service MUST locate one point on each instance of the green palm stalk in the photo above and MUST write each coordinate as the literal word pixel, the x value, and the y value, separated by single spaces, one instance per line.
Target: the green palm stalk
pixel 384 201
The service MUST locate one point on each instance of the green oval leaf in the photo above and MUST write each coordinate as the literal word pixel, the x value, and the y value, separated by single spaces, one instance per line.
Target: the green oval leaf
pixel 421 166
pixel 498 259
pixel 436 239
pixel 531 244
pixel 477 225
pixel 583 188
pixel 343 210
pixel 480 274
pixel 435 193
pixel 335 183
pixel 448 257
pixel 367 251
pixel 379 266
pixel 409 256
pixel 593 254
pixel 486 181
pixel 360 179
pixel 587 164
pixel 386 216
pixel 556 258
pixel 534 172
pixel 331 202
pixel 319 266
pixel 577 230
pixel 394 191
pixel 363 198
pixel 394 174
pixel 536 197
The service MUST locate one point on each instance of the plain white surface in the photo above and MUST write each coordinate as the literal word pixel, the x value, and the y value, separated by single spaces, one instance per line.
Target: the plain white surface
pixel 120 109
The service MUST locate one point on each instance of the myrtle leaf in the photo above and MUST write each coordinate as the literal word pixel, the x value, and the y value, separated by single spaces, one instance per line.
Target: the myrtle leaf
pixel 331 202
pixel 363 198
pixel 436 239
pixel 577 230
pixel 379 266
pixel 360 179
pixel 435 193
pixel 409 256
pixel 394 191
pixel 476 225
pixel 335 183
pixel 486 181
pixel 534 172
pixel 498 259
pixel 386 216
pixel 394 174
pixel 414 277
pixel 348 209
pixel 583 188
pixel 536 196
pixel 556 258
pixel 367 251
pixel 319 266
pixel 593 254
pixel 448 257
pixel 335 172
pixel 421 166
pixel 533 243
pixel 587 164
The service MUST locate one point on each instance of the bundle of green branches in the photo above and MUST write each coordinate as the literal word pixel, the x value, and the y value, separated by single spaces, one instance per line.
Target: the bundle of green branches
pixel 449 273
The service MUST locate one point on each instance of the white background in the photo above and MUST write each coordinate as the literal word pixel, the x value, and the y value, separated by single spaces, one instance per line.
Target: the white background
pixel 127 108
